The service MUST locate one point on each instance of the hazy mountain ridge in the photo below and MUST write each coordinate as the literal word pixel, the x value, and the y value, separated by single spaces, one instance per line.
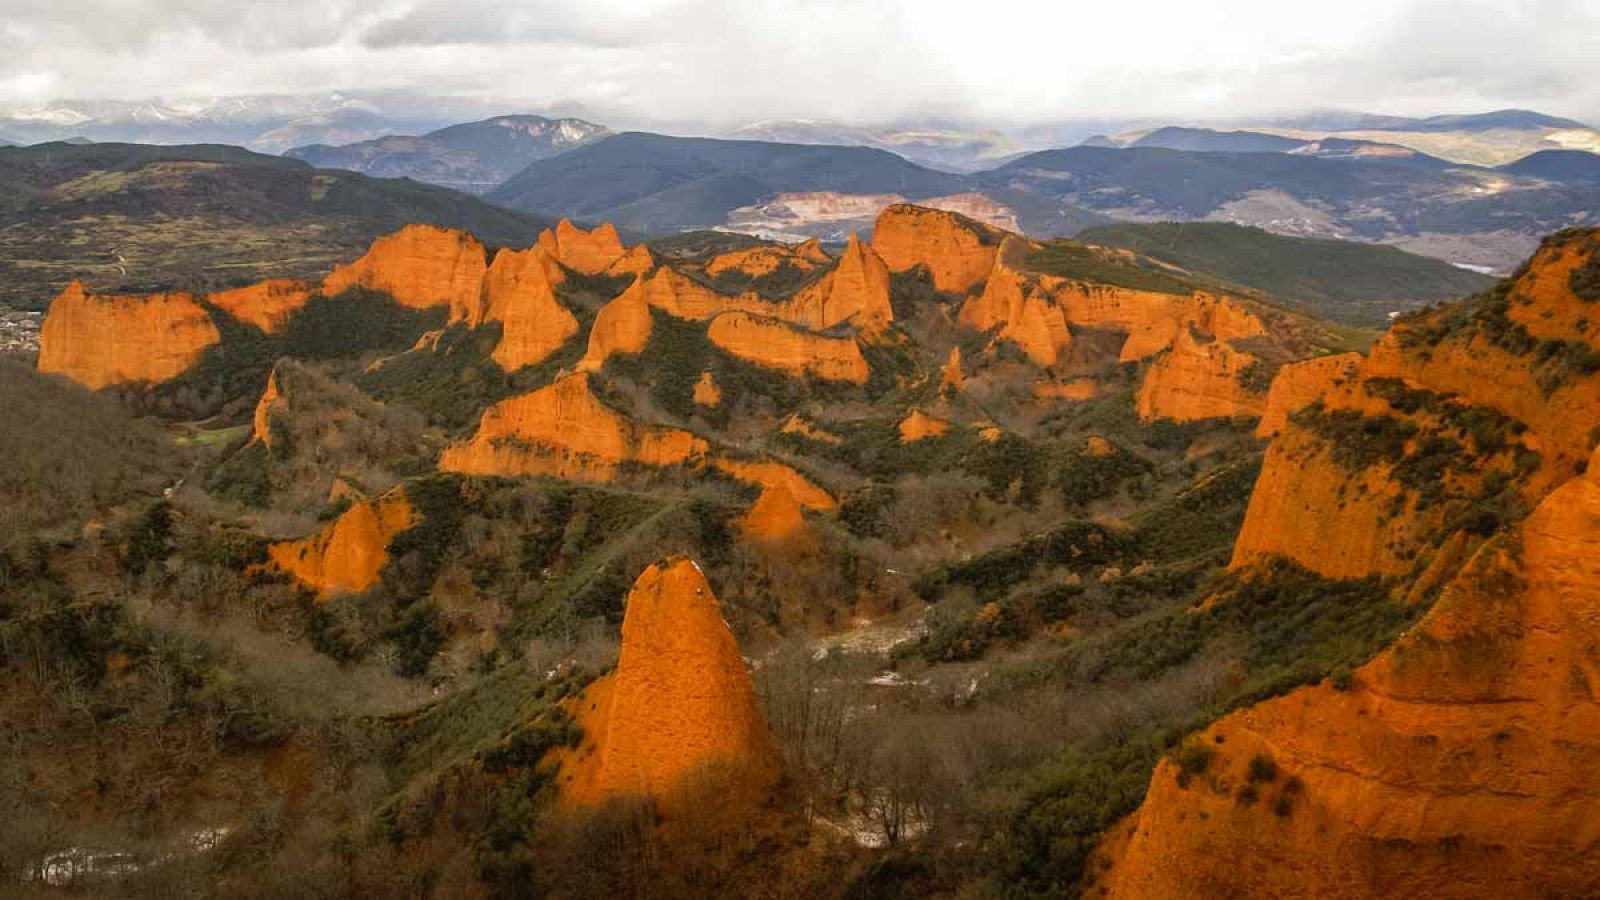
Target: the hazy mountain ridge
pixel 474 157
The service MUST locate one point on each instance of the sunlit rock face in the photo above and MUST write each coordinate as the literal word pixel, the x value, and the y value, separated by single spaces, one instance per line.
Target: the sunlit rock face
pixel 1459 763
pixel 420 266
pixel 958 252
pixel 268 305
pixel 679 701
pixel 564 430
pixel 349 553
pixel 100 340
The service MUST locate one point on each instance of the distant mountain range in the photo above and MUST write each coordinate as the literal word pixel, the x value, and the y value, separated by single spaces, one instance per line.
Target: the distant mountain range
pixel 269 123
pixel 1472 189
pixel 1209 140
pixel 474 157
pixel 935 145
pixel 652 183
pixel 1488 139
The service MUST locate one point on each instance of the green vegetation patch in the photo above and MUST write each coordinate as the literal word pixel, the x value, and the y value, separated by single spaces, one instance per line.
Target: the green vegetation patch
pixel 1080 262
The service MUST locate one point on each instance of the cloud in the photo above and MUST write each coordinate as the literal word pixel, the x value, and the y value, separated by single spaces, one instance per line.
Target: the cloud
pixel 716 63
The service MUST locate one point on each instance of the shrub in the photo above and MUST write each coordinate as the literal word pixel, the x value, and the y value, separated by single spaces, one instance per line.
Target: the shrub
pixel 1262 768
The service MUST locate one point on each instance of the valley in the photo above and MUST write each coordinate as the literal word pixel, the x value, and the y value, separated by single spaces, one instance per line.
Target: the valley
pixel 949 556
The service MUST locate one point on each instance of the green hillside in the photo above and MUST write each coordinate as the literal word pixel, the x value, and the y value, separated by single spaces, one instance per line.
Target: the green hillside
pixel 136 217
pixel 1358 284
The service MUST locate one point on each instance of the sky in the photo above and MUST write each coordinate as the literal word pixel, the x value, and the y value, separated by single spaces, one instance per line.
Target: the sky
pixel 876 61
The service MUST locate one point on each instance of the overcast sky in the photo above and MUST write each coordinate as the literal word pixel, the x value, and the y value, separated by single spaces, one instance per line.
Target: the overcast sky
pixel 728 62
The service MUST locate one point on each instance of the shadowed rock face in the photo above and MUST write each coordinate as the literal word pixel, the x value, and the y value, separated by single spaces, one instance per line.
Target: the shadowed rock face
pixel 104 340
pixel 348 554
pixel 679 701
pixel 1459 763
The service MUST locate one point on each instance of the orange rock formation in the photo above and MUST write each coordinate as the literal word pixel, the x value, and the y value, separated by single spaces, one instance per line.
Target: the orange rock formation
pixel 1198 381
pixel 589 252
pixel 637 261
pixel 420 266
pixel 959 252
pixel 679 701
pixel 769 474
pixel 268 305
pixel 706 392
pixel 519 293
pixel 1021 306
pixel 621 327
pixel 855 292
pixel 348 554
pixel 798 426
pixel 950 373
pixel 777 345
pixel 563 430
pixel 271 401
pixel 775 518
pixel 1343 523
pixel 1459 763
pixel 920 426
pixel 103 340
pixel 1297 385
pixel 768 258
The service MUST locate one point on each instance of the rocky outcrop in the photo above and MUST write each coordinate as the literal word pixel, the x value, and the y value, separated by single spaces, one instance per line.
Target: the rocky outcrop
pixel 1021 308
pixel 856 292
pixel 621 328
pixel 1458 763
pixel 1195 381
pixel 775 519
pixel 679 701
pixel 957 251
pixel 798 426
pixel 268 305
pixel 519 293
pixel 950 373
pixel 919 426
pixel 765 259
pixel 1153 320
pixel 420 266
pixel 349 553
pixel 774 344
pixel 100 340
pixel 589 252
pixel 706 392
pixel 271 403
pixel 768 474
pixel 637 261
pixel 1459 384
pixel 1299 384
pixel 565 431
